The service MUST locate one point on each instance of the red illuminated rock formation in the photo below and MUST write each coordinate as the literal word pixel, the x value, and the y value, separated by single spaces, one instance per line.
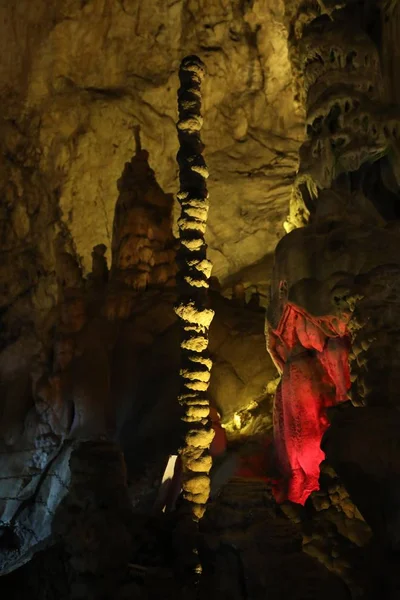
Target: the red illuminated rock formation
pixel 312 355
pixel 339 271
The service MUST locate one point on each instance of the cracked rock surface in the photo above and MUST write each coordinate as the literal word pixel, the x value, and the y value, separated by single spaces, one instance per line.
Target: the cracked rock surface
pixel 76 77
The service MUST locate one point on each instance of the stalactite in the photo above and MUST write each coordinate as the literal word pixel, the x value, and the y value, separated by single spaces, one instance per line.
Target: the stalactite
pixel 349 124
pixel 193 282
pixel 347 117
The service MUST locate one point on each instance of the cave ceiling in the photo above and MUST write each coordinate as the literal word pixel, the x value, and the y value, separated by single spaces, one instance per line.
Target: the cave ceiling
pixel 78 76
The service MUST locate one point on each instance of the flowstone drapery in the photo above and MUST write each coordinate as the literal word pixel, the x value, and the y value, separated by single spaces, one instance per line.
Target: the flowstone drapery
pixel 337 268
pixel 348 121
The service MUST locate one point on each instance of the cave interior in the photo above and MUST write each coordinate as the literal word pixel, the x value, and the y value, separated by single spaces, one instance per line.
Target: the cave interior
pixel 199 225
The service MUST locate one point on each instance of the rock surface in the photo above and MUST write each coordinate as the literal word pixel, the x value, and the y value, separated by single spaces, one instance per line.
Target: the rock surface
pixel 77 80
pixel 109 369
pixel 79 76
pixel 90 355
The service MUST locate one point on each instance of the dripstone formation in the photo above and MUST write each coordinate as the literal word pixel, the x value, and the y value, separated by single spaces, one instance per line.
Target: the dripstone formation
pixel 287 478
pixel 193 308
pixel 338 266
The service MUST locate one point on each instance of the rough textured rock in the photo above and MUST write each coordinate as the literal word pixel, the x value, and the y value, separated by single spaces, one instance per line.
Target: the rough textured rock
pixel 76 79
pixel 89 356
pixel 192 307
pixel 339 269
pixel 83 98
pixel 331 278
pixel 255 549
pixel 235 338
pixel 94 520
pixel 31 493
pixel 143 247
pixel 109 369
pixel 247 547
pixel 335 533
pixel 362 468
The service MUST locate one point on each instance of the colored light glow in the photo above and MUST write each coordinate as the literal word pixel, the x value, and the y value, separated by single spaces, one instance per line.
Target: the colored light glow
pixel 313 354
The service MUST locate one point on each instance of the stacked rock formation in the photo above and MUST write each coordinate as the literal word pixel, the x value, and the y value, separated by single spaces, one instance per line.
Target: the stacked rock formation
pixel 191 308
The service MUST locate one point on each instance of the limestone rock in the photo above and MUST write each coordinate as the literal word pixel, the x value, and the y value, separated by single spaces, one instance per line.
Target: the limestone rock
pixel 91 78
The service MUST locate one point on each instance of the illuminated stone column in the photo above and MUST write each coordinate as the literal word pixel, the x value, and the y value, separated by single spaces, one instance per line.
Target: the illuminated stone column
pixel 193 281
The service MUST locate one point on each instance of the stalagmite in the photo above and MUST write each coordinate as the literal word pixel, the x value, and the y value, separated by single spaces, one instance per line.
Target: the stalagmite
pixel 193 281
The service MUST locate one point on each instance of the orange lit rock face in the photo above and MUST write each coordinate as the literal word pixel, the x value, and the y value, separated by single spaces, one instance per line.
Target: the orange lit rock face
pixel 143 247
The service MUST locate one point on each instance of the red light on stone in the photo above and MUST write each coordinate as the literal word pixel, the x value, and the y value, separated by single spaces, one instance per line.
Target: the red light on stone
pixel 313 354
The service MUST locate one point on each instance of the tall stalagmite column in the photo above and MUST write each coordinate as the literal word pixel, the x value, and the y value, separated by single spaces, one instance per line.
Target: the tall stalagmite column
pixel 192 306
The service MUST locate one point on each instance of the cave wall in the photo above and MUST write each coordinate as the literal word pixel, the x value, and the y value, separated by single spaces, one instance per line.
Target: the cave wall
pixel 78 76
pixel 108 369
pixel 80 81
pixel 83 86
